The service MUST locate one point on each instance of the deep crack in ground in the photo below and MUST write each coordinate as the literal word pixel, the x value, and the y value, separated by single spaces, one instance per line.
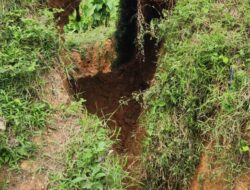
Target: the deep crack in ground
pixel 105 92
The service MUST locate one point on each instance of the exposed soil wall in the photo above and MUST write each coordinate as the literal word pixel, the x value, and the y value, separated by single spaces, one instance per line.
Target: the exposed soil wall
pixel 105 91
pixel 67 6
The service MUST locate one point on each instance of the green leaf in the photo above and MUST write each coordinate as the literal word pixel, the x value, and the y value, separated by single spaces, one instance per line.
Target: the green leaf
pixel 110 5
pixel 77 180
pixel 245 148
pixel 225 60
pixel 100 175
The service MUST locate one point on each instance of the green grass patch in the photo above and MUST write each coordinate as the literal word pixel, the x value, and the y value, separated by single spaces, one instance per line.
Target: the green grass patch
pixel 26 49
pixel 89 160
pixel 201 93
pixel 84 40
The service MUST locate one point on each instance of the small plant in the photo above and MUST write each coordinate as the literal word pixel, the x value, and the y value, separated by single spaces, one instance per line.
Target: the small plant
pixel 94 13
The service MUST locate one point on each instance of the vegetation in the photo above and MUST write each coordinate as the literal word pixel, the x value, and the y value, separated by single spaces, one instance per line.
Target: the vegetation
pixel 89 159
pixel 201 94
pixel 94 13
pixel 90 162
pixel 199 103
pixel 27 46
pixel 83 41
pixel 98 23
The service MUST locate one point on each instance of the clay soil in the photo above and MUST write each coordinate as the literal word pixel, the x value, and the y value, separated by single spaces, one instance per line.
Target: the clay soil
pixel 109 93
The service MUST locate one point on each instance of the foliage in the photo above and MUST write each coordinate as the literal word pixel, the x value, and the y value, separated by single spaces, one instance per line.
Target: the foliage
pixel 89 162
pixel 19 37
pixel 26 48
pixel 201 94
pixel 94 13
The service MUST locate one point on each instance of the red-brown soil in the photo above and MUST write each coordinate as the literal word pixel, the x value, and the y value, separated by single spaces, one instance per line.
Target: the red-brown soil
pixel 67 6
pixel 98 58
pixel 210 176
pixel 109 94
pixel 105 92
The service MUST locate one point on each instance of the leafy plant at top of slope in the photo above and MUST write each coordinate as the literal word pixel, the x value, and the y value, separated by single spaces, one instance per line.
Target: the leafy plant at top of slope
pixel 94 13
pixel 201 93
pixel 26 48
pixel 89 161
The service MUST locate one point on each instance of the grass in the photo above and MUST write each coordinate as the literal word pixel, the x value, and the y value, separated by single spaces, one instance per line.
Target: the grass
pixel 88 158
pixel 201 94
pixel 29 42
pixel 27 48
pixel 84 40
pixel 200 97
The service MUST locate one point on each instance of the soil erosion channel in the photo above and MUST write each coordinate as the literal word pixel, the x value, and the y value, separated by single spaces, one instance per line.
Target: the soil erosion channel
pixel 109 95
pixel 105 92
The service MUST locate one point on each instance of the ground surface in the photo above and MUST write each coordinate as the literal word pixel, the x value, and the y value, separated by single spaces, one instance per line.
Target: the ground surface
pixel 34 173
pixel 110 94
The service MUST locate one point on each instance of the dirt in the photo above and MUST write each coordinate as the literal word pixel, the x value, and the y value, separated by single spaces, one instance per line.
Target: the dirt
pixel 210 176
pixel 34 172
pixel 202 180
pixel 67 7
pixel 243 183
pixel 98 58
pixel 109 94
